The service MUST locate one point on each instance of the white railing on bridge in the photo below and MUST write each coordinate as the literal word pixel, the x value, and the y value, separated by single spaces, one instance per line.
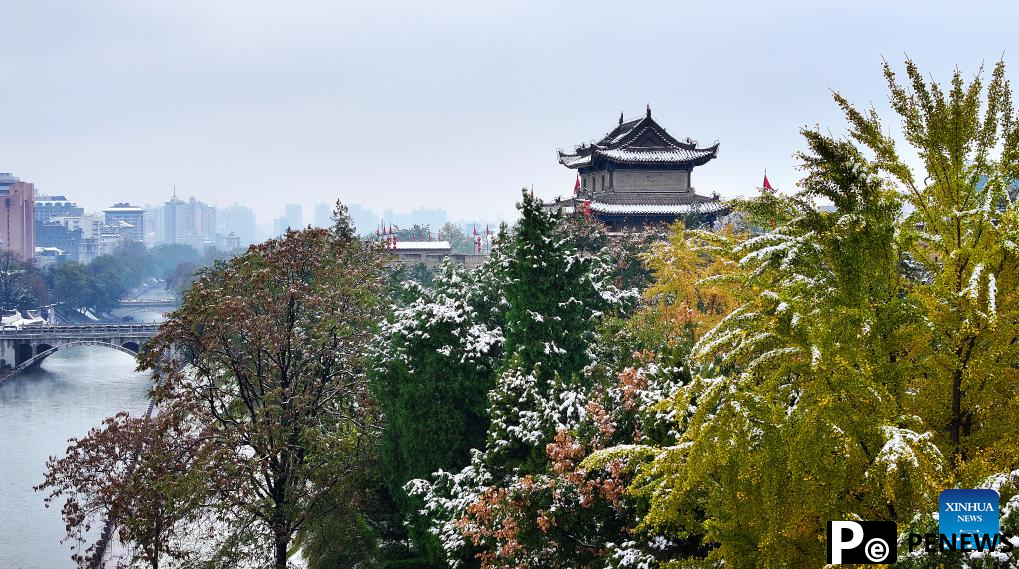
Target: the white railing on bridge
pixel 60 330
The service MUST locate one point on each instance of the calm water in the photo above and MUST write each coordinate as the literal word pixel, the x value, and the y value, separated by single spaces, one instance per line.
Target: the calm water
pixel 73 390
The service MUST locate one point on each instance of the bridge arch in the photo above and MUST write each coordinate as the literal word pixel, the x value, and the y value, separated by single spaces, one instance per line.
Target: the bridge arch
pixel 41 355
pixel 22 353
pixel 24 347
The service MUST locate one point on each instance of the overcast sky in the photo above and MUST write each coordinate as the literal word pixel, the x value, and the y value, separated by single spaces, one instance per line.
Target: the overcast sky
pixel 449 103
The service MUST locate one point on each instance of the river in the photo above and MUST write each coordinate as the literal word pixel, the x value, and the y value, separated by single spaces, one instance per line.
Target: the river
pixel 70 392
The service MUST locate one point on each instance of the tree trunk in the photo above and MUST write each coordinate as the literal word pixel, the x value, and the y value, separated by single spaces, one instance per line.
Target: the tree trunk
pixel 282 539
pixel 965 352
pixel 956 409
pixel 159 542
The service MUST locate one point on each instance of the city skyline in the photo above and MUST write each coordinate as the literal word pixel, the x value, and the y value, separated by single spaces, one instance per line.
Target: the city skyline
pixel 320 216
pixel 458 103
pixel 57 228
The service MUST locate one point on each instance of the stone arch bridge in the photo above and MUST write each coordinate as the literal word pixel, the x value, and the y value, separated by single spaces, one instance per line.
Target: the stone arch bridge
pixel 26 347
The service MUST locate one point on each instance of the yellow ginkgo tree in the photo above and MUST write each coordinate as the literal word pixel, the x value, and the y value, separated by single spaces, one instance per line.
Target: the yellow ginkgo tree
pixel 863 358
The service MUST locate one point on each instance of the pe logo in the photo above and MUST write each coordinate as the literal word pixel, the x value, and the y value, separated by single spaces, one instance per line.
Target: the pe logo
pixel 861 542
pixel 968 512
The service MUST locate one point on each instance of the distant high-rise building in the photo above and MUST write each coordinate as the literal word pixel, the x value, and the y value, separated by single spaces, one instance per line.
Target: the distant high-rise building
pixel 365 219
pixel 191 222
pixel 97 237
pixel 434 218
pixel 279 226
pixel 17 217
pixel 293 215
pixel 176 228
pixel 238 220
pixel 58 234
pixel 400 219
pixel 203 224
pixel 292 219
pixel 48 207
pixel 127 220
pixel 323 215
pixel 154 226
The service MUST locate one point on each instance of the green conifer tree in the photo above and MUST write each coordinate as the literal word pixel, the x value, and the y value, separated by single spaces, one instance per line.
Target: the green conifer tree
pixel 550 295
pixel 554 296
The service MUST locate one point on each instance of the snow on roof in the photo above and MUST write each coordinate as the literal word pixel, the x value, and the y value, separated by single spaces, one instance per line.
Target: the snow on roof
pixel 703 207
pixel 571 160
pixel 422 245
pixel 670 155
pixel 641 141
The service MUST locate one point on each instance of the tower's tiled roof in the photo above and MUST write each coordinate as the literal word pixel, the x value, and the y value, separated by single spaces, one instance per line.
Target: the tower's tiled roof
pixel 641 141
pixel 652 198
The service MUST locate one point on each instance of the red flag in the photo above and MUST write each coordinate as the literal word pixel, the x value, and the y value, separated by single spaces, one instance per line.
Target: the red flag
pixel 576 187
pixel 479 243
pixel 767 184
pixel 587 208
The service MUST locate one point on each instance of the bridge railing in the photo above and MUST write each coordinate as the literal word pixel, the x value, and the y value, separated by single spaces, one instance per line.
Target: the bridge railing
pixel 148 304
pixel 62 330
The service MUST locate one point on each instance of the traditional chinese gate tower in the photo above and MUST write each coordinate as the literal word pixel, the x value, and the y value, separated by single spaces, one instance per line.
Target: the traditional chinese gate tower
pixel 638 174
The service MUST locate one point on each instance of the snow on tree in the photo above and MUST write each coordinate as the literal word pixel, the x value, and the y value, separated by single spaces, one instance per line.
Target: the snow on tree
pixel 866 363
pixel 434 365
pixel 553 297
